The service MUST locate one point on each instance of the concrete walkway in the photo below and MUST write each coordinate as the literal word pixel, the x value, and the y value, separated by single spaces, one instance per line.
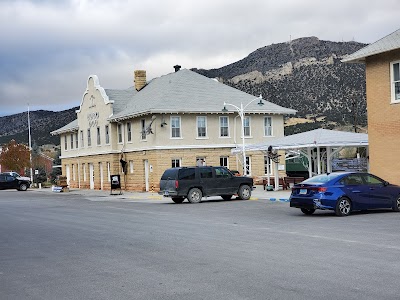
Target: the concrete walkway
pixel 104 195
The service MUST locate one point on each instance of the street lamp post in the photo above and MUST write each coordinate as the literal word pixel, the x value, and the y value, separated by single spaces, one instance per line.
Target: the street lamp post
pixel 241 111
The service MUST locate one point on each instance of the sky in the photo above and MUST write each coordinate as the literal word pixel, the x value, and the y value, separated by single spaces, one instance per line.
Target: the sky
pixel 49 48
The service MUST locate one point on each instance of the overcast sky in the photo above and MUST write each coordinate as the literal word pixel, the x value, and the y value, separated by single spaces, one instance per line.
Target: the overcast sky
pixel 49 48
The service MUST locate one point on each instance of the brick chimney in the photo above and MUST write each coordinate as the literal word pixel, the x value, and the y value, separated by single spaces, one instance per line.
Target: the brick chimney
pixel 140 79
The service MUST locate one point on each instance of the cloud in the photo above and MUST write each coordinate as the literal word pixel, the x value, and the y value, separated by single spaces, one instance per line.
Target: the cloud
pixel 49 48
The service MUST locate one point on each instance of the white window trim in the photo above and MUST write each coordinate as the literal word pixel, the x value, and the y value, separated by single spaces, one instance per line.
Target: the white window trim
pixel 120 125
pixel 272 127
pixel 127 133
pixel 227 161
pixel 250 135
pixel 271 169
pixel 108 172
pixel 98 136
pixel 89 137
pixel 178 159
pixel 76 140
pixel 392 91
pixel 143 136
pixel 219 128
pixel 65 142
pixel 180 128
pixel 105 134
pixel 197 128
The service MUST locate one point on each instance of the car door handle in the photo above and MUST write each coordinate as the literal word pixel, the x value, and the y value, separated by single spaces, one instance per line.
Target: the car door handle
pixel 356 191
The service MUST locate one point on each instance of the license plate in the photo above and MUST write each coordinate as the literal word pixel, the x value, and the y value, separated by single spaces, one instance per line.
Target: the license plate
pixel 303 191
pixel 166 193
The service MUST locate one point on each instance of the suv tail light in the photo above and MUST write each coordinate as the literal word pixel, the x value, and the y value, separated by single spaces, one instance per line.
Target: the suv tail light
pixel 176 184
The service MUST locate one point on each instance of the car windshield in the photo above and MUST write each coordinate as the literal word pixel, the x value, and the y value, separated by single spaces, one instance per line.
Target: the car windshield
pixel 321 178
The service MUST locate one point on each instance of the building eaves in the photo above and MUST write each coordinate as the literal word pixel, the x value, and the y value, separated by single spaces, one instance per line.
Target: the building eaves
pixel 385 44
pixel 70 127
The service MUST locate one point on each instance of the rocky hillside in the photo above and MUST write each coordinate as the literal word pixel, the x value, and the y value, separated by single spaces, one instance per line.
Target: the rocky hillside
pixel 42 123
pixel 307 75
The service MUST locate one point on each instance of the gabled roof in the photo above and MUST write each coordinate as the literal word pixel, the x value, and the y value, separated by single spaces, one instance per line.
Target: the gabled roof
pixel 70 127
pixel 120 98
pixel 185 91
pixel 314 138
pixel 388 43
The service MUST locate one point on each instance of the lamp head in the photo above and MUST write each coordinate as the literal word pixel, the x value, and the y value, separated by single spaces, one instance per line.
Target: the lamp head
pixel 224 109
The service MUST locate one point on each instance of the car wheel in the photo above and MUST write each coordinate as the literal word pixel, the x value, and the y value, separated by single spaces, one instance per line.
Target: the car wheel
pixel 195 195
pixel 307 211
pixel 178 200
pixel 396 204
pixel 244 192
pixel 23 187
pixel 343 207
pixel 226 197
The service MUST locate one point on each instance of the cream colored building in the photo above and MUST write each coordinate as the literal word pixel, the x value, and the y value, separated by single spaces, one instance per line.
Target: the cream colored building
pixel 169 121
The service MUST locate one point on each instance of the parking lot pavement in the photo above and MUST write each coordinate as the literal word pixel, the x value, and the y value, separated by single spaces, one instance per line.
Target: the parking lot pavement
pixel 104 195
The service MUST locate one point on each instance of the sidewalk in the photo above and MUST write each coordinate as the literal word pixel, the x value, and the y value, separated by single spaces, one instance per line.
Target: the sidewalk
pixel 104 195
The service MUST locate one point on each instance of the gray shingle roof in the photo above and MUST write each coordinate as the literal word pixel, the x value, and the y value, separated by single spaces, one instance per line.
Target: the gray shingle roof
pixel 188 92
pixel 388 43
pixel 70 127
pixel 120 98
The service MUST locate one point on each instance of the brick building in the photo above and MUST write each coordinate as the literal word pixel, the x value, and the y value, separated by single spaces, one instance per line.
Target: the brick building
pixel 382 60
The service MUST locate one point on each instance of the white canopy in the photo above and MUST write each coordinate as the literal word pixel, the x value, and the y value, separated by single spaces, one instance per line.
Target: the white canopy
pixel 331 141
pixel 310 139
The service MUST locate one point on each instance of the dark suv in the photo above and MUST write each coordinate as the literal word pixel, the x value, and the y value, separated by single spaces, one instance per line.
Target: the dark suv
pixel 195 183
pixel 7 181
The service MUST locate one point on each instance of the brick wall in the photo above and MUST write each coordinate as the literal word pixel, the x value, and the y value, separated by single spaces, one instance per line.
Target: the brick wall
pixel 383 118
pixel 160 160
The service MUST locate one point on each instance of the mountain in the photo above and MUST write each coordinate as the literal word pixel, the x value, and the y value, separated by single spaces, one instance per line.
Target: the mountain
pixel 305 74
pixel 42 123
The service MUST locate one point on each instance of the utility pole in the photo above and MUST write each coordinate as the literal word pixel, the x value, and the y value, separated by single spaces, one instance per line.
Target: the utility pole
pixel 30 144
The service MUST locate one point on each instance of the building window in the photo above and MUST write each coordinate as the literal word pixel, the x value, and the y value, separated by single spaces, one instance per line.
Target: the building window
pixel 119 129
pixel 107 135
pixel 131 166
pixel 267 166
pixel 65 143
pixel 223 127
pixel 201 127
pixel 176 163
pixel 395 79
pixel 175 127
pixel 98 136
pixel 143 125
pixel 246 126
pixel 72 140
pixel 82 139
pixel 89 138
pixel 129 131
pixel 76 140
pixel 223 161
pixel 267 126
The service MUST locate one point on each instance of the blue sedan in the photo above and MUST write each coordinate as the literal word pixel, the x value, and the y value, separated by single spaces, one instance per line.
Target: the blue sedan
pixel 344 192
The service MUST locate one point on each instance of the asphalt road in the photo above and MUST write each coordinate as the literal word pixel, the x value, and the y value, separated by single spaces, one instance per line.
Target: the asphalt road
pixel 63 246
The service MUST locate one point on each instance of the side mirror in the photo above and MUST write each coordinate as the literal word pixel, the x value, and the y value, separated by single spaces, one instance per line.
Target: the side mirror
pixel 386 183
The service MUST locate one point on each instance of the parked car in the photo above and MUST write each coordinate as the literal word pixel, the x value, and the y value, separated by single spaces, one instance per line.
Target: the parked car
pixel 194 183
pixel 344 192
pixel 16 175
pixel 10 182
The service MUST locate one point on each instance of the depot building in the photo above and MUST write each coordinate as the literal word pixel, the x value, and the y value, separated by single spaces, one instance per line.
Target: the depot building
pixel 170 121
